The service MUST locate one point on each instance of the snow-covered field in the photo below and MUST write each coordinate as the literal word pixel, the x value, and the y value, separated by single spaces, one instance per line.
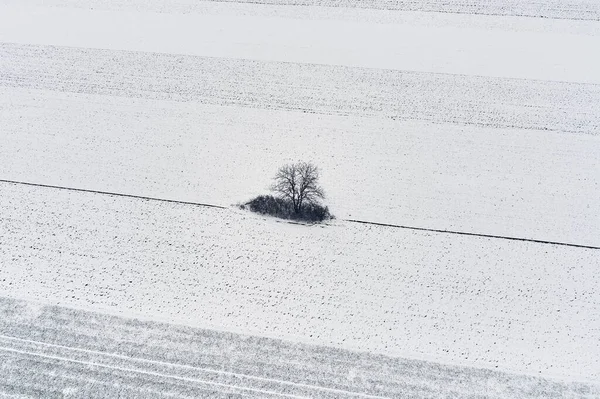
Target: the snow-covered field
pixel 561 9
pixel 87 354
pixel 310 88
pixel 521 51
pixel 494 156
pixel 446 120
pixel 516 306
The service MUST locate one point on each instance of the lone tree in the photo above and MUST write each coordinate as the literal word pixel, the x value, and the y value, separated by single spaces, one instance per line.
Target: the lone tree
pixel 299 184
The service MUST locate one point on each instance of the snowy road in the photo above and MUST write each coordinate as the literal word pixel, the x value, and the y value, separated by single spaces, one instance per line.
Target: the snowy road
pixel 77 353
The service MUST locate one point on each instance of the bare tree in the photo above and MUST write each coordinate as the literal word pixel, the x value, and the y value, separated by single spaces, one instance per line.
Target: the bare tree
pixel 298 183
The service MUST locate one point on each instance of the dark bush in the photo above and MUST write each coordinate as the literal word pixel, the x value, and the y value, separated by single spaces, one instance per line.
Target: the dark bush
pixel 269 205
pixel 315 213
pixel 284 209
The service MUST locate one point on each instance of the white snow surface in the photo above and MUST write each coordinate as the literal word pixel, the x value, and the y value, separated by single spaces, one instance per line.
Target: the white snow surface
pixel 517 306
pixel 485 124
pixel 429 48
pixel 466 178
pixel 573 10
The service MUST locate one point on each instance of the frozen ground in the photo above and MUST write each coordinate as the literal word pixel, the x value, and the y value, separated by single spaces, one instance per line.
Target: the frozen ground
pixel 88 354
pixel 524 307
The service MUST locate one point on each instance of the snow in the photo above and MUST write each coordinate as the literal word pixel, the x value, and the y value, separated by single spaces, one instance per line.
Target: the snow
pixel 85 353
pixel 517 306
pixel 572 10
pixel 456 50
pixel 339 90
pixel 484 180
pixel 479 123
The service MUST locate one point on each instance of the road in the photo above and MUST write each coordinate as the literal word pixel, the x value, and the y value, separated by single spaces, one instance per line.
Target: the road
pixel 57 352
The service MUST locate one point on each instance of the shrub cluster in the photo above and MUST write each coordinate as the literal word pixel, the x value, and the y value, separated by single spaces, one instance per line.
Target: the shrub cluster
pixel 284 209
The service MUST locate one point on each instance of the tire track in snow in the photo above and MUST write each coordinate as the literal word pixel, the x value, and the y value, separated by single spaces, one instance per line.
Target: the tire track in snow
pixel 151 373
pixel 90 354
pixel 147 366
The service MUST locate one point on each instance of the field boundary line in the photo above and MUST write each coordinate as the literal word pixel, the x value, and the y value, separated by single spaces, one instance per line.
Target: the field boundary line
pixel 183 366
pixel 464 233
pixel 399 226
pixel 85 190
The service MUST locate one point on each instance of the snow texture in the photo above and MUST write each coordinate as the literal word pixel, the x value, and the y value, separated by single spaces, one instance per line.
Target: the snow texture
pixel 449 120
pixel 526 54
pixel 517 306
pixel 87 354
pixel 463 153
pixel 562 9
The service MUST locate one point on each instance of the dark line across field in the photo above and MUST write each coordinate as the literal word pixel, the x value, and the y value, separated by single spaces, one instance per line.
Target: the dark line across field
pixel 113 194
pixel 473 234
pixel 347 220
